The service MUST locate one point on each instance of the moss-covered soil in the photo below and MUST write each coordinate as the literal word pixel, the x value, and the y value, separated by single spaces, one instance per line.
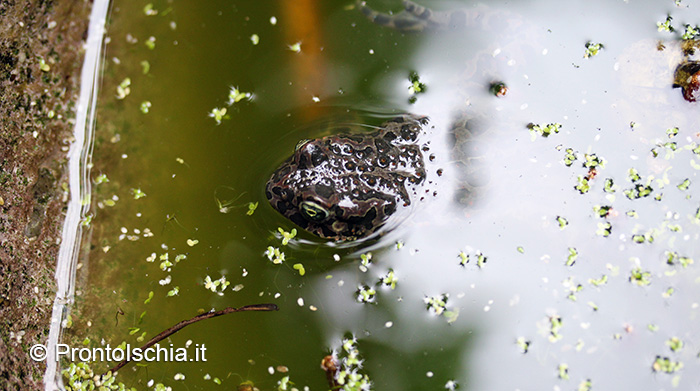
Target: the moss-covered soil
pixel 41 50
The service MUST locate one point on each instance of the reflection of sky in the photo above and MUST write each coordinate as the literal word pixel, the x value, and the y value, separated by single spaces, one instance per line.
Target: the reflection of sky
pixel 529 186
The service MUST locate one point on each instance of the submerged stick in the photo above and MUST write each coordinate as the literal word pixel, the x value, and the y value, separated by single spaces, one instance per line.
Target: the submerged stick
pixel 187 322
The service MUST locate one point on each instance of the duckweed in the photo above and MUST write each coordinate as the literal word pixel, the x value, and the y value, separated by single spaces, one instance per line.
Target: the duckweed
pixel 572 287
pixel 665 364
pixel 675 344
pixel 365 261
pixel 287 236
pixel 691 32
pixel 544 131
pixel 563 222
pixel 137 193
pixel 219 114
pixel 274 255
pixel 389 279
pixel 673 258
pixel 123 89
pixel 609 186
pixel 366 294
pixel 173 292
pixel 436 304
pixel 145 107
pixel 585 385
pixel 583 186
pixel 300 268
pixel 563 371
pixel 463 258
pixel 555 325
pixel 523 344
pixel 602 211
pixel 145 67
pixel 416 87
pixel 592 49
pixel 599 281
pixel 570 157
pixel 480 259
pixel 573 255
pixel 349 375
pixel 668 293
pixel 148 10
pixel 604 229
pixel 80 376
pixel 235 95
pixel 665 25
pixel 593 160
pixel 150 42
pixel 640 277
pixel 216 286
pixel 100 179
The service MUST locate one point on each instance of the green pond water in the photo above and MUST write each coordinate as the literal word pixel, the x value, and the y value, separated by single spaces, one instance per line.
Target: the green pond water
pixel 553 296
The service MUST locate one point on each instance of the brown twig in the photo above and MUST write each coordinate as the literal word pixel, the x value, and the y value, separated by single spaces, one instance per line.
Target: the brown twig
pixel 187 322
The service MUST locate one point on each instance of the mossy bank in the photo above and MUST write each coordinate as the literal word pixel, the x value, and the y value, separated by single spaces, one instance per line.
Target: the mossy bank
pixel 41 51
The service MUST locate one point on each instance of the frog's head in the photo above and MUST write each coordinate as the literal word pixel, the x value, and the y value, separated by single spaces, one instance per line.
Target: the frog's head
pixel 345 187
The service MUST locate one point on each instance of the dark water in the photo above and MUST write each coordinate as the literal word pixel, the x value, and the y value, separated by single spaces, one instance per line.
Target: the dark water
pixel 192 169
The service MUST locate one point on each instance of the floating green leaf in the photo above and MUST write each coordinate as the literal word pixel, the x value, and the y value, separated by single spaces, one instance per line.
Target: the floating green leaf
pixel 123 88
pixel 665 25
pixel 583 186
pixel 665 364
pixel 523 344
pixel 563 370
pixel 366 294
pixel 555 325
pixel 463 258
pixel 219 114
pixel 563 222
pixel 275 255
pixel 137 193
pixel 389 279
pixel 287 236
pixel 145 106
pixel 691 32
pixel 675 344
pixel 300 268
pixel 235 95
pixel 252 206
pixel 592 49
pixel 544 131
pixel 598 282
pixel 573 254
pixel 570 157
pixel 640 277
pixel 604 229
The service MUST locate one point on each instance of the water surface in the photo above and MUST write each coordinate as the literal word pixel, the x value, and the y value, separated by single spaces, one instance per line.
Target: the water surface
pixel 548 258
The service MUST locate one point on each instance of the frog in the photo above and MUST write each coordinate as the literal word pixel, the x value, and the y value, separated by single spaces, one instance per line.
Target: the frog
pixel 346 186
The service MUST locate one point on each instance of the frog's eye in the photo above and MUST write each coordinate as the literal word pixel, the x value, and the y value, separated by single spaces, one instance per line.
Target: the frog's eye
pixel 301 144
pixel 313 211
